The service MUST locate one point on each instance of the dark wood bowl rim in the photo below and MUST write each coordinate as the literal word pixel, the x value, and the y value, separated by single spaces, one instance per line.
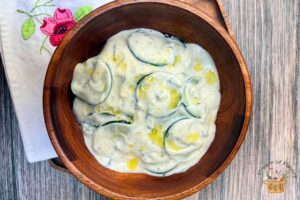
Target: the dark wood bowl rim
pixel 50 74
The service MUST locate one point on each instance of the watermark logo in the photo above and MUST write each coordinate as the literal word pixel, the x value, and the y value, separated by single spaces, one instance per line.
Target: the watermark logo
pixel 276 174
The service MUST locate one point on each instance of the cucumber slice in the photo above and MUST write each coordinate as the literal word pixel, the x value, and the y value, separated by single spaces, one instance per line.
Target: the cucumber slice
pixel 161 168
pixel 82 109
pixel 117 122
pixel 175 40
pixel 88 128
pixel 92 81
pixel 151 47
pixel 151 156
pixel 192 100
pixel 171 125
pixel 184 136
pixel 158 94
pixel 110 137
pixel 94 120
pixel 202 56
pixel 98 119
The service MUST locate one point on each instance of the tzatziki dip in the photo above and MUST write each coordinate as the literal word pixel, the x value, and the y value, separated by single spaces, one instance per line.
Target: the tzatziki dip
pixel 147 103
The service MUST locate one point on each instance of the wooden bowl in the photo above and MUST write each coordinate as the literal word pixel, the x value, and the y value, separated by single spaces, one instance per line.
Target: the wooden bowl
pixel 86 40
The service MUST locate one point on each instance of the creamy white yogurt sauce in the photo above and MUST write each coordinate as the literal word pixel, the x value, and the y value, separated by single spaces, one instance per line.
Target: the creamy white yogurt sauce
pixel 147 103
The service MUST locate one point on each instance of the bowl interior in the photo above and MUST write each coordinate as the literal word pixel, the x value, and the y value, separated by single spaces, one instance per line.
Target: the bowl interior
pixel 87 41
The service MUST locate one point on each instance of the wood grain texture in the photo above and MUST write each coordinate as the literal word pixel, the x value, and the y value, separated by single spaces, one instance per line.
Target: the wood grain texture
pixel 268 33
pixel 210 7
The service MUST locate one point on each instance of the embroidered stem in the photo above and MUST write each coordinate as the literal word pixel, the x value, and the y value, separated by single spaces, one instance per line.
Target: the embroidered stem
pixel 39 14
pixel 32 16
pixel 46 4
pixel 37 2
pixel 43 46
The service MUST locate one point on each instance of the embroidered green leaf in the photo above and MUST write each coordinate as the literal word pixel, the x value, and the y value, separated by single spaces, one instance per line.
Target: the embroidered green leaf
pixel 28 28
pixel 82 11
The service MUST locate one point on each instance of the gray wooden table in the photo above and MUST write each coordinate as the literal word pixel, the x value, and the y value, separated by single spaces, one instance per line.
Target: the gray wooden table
pixel 268 33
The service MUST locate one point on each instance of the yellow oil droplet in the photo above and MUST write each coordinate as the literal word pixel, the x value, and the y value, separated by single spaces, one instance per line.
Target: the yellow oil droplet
pixel 97 109
pixel 176 61
pixel 109 58
pixel 198 67
pixel 142 94
pixel 173 145
pixel 192 137
pixel 131 88
pixel 112 111
pixel 174 99
pixel 130 146
pixel 143 89
pixel 132 164
pixel 117 112
pixel 195 100
pixel 149 80
pixel 123 66
pixel 157 136
pixel 90 71
pixel 119 57
pixel 211 77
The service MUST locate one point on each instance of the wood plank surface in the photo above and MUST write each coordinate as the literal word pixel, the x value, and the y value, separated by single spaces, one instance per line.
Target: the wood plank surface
pixel 268 33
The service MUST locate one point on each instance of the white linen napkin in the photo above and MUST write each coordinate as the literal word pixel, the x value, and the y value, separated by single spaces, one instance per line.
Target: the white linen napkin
pixel 26 51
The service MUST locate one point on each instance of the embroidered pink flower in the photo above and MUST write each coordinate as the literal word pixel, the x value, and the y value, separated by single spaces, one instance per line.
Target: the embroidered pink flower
pixel 58 26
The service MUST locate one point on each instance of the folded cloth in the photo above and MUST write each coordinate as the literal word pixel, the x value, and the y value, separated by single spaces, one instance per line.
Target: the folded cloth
pixel 29 32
